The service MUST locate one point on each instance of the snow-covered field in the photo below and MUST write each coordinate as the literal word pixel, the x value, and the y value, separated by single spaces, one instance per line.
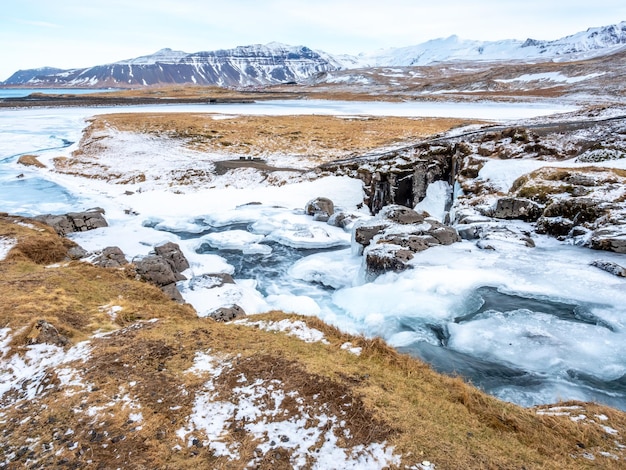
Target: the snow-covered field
pixel 283 259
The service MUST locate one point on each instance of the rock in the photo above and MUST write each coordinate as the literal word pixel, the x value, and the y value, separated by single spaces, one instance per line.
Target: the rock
pixel 555 226
pixel 74 221
pixel 492 235
pixel 517 208
pixel 174 256
pixel 365 231
pixel 578 210
pixel 609 239
pixel 401 215
pixel 444 234
pixel 209 281
pixel 172 292
pixel 610 267
pixel 342 219
pixel 390 240
pixel 385 257
pixel 47 333
pixel 76 252
pixel 111 257
pixel 414 243
pixel 156 270
pixel 225 314
pixel 320 208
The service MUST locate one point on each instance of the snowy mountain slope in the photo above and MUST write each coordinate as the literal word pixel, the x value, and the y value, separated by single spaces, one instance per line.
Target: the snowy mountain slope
pixel 242 66
pixel 586 44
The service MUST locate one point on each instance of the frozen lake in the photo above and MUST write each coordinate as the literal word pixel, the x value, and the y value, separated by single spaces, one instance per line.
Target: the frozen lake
pixel 528 325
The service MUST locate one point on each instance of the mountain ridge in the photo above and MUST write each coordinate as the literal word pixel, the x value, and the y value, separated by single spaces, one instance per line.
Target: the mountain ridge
pixel 277 63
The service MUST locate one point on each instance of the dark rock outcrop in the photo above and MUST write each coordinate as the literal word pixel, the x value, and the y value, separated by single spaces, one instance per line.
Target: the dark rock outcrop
pixel 390 240
pixel 164 270
pixel 517 208
pixel 225 314
pixel 174 256
pixel 76 252
pixel 111 257
pixel 74 221
pixel 156 270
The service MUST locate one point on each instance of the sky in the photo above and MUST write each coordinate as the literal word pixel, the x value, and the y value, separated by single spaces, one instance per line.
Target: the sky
pixel 81 33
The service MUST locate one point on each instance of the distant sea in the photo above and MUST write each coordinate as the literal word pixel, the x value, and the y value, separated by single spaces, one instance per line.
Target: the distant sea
pixel 22 92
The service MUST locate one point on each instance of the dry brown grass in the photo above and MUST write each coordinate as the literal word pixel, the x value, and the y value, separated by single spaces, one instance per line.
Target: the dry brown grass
pixel 293 135
pixel 391 396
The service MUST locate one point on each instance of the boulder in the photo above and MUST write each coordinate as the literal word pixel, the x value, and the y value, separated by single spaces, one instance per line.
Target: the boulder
pixel 76 252
pixel 225 314
pixel 493 235
pixel 342 219
pixel 365 231
pixel 610 267
pixel 320 208
pixel 156 270
pixel 609 239
pixel 74 221
pixel 414 243
pixel 555 226
pixel 578 210
pixel 444 234
pixel 517 208
pixel 382 258
pixel 45 332
pixel 111 257
pixel 172 292
pixel 174 256
pixel 401 215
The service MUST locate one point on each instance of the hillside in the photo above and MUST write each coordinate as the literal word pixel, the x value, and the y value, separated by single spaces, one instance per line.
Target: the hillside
pixel 100 370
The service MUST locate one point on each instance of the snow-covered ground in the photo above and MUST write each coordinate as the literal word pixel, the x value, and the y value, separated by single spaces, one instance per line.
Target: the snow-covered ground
pixel 283 259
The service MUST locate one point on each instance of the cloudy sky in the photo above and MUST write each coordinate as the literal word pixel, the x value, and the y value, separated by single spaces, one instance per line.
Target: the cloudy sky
pixel 81 33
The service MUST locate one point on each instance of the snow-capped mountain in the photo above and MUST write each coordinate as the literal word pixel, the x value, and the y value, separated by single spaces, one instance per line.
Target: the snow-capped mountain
pixel 275 63
pixel 586 44
pixel 242 66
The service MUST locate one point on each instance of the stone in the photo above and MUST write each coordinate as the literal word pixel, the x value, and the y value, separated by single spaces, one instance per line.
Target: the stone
pixel 174 256
pixel 225 314
pixel 555 226
pixel 74 221
pixel 172 292
pixel 364 232
pixel 342 219
pixel 76 252
pixel 156 270
pixel 385 257
pixel 610 267
pixel 414 243
pixel 320 208
pixel 609 239
pixel 578 210
pixel 111 257
pixel 517 208
pixel 401 215
pixel 444 234
pixel 47 333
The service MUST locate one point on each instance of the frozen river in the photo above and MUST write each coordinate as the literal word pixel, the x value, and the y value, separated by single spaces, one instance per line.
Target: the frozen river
pixel 528 325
